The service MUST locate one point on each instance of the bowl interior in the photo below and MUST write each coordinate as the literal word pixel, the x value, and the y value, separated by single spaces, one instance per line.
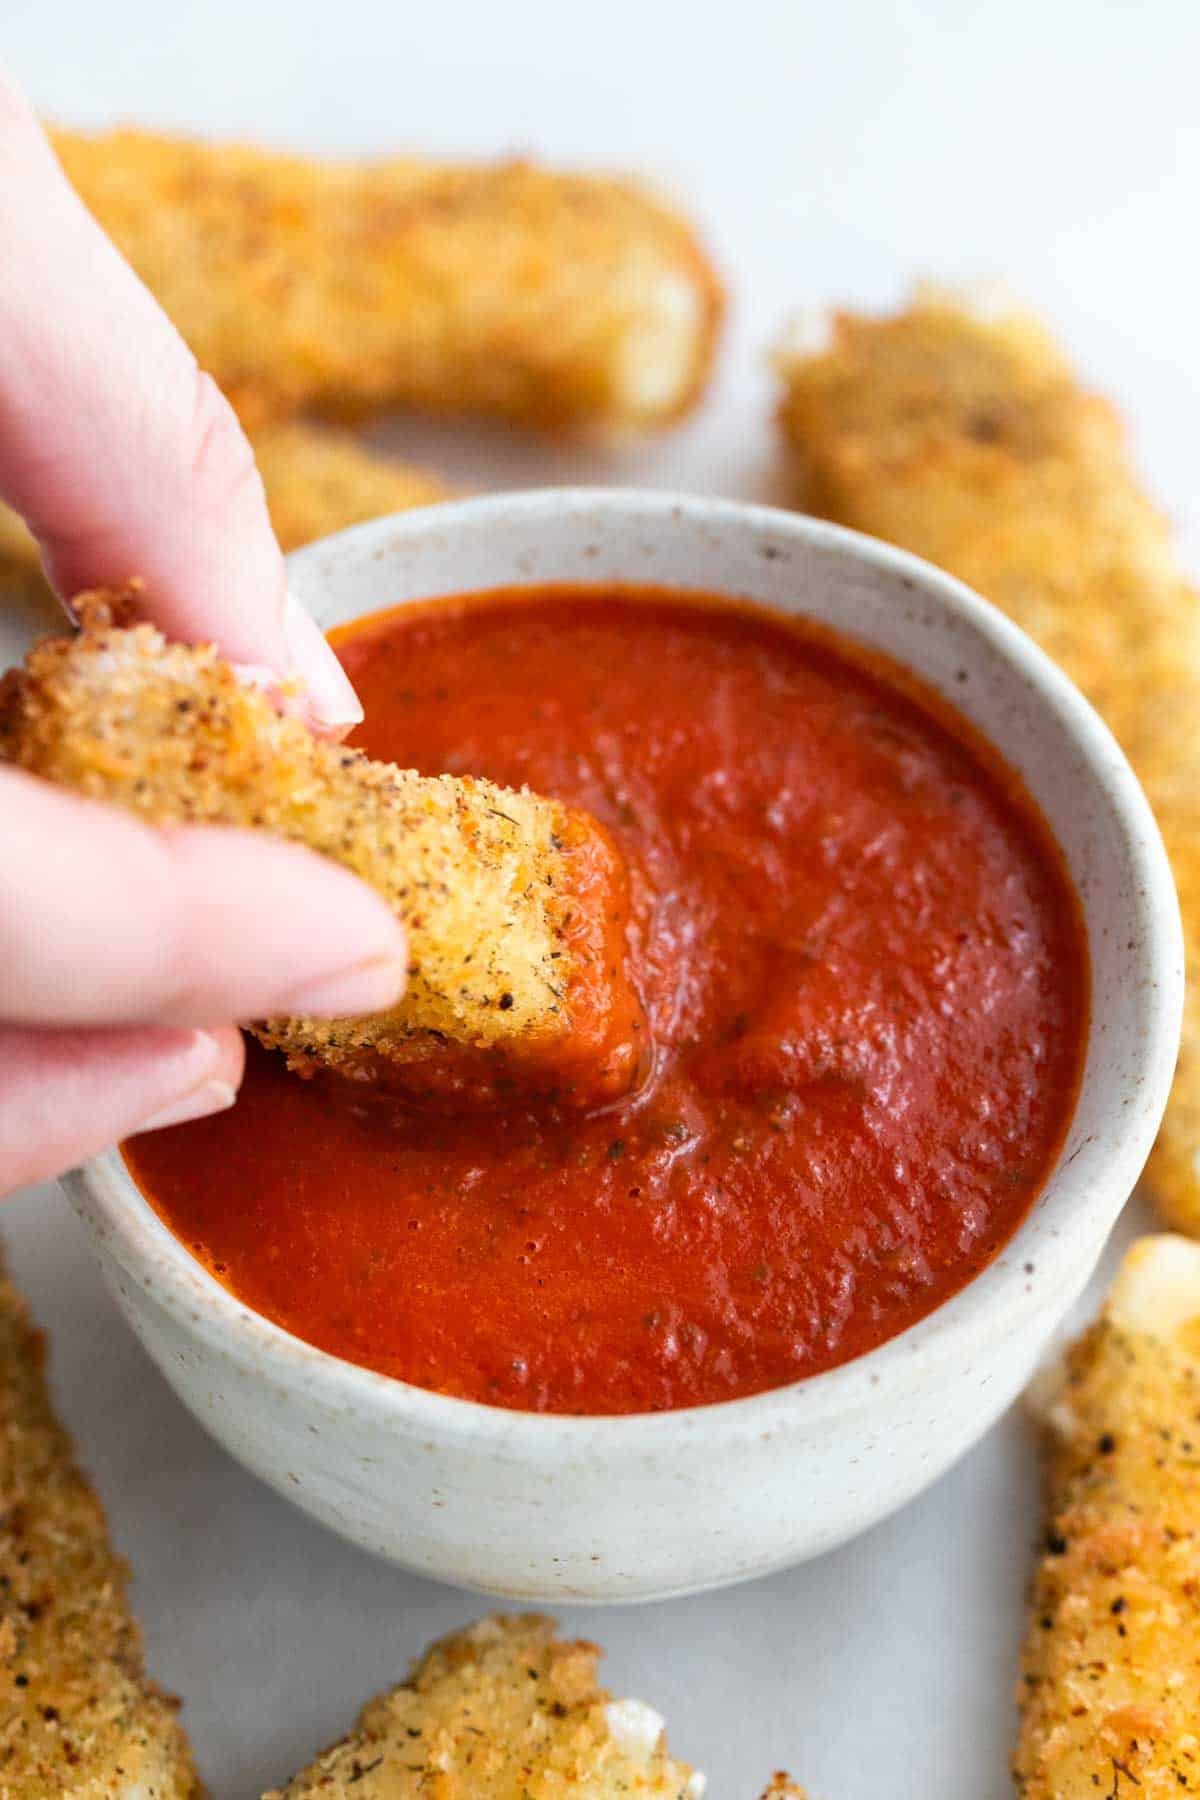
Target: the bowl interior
pixel 976 660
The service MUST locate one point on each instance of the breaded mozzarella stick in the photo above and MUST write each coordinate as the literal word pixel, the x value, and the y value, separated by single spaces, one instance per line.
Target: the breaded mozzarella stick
pixel 1110 1686
pixel 958 431
pixel 514 905
pixel 78 1717
pixel 501 1711
pixel 499 288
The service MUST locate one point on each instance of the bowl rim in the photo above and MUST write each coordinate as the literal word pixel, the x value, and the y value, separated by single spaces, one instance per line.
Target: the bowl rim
pixel 999 1299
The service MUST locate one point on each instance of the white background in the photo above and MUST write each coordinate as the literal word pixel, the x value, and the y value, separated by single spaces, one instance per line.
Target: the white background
pixel 831 151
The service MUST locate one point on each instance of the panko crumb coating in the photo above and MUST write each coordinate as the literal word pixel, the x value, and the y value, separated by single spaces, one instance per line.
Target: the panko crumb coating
pixel 501 1711
pixel 1110 1682
pixel 79 1720
pixel 514 905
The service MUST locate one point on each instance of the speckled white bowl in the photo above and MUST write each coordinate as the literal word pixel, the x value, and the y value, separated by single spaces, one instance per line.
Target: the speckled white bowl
pixel 630 1508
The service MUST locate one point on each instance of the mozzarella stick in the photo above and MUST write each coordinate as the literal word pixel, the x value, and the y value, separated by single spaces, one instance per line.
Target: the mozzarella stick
pixel 1110 1683
pixel 349 287
pixel 78 1715
pixel 514 905
pixel 501 1711
pixel 957 430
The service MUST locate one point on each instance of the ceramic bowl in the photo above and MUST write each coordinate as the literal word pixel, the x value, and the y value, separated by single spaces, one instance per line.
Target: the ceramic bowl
pixel 605 1509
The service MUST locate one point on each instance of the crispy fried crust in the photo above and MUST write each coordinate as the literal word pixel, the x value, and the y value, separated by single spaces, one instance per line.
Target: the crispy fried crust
pixel 963 435
pixel 501 1711
pixel 317 482
pixel 502 288
pixel 77 1715
pixel 514 905
pixel 1110 1682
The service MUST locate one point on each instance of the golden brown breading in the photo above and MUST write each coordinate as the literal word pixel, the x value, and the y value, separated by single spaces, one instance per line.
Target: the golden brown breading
pixel 77 1715
pixel 499 288
pixel 501 1711
pixel 1110 1687
pixel 514 905
pixel 963 435
pixel 316 481
pixel 23 588
pixel 18 551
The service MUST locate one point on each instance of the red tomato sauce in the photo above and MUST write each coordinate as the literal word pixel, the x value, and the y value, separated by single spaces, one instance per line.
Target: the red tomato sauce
pixel 866 977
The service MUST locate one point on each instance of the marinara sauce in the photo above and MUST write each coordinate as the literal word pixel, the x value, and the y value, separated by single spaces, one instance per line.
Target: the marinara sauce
pixel 865 973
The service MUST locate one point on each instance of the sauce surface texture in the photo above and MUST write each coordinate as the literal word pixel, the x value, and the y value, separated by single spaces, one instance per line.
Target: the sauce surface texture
pixel 866 978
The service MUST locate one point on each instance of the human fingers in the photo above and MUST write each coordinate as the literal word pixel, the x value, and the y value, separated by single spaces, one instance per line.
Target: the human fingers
pixel 65 1094
pixel 108 921
pixel 124 458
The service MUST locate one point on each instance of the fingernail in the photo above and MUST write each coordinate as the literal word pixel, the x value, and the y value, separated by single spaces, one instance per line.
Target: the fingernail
pixel 332 701
pixel 369 987
pixel 209 1097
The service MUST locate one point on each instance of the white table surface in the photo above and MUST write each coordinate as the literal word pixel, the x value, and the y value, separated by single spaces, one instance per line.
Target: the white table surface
pixel 832 152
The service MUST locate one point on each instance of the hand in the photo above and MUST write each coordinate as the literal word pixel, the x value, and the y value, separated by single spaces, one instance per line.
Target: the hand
pixel 127 952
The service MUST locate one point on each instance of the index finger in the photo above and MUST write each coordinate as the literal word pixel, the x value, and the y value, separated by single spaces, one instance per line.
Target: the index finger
pixel 124 458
